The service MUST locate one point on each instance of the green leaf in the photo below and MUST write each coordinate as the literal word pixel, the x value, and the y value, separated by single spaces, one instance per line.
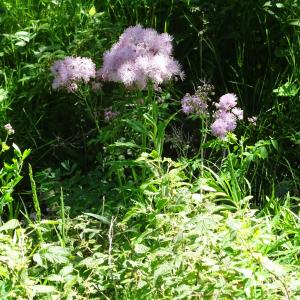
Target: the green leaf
pixel 11 224
pixel 137 126
pixel 55 278
pixel 92 11
pixel 43 289
pixel 26 154
pixel 20 44
pixel 140 248
pixel 38 259
pixel 4 272
pixel 295 22
pixel 288 89
pixel 3 94
pixel 66 270
pixel 55 254
pixel 22 34
pixel 17 149
pixel 103 219
pixel 162 270
pixel 272 266
pixel 247 273
pixel 154 154
pixel 124 144
pixel 5 147
pixel 275 144
pixel 263 153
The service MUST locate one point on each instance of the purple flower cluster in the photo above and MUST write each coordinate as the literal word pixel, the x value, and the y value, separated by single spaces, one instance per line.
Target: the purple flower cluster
pixel 193 105
pixel 70 71
pixel 140 55
pixel 227 115
pixel 109 114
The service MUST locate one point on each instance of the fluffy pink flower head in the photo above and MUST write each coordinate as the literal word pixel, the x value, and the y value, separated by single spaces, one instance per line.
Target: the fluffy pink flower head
pixel 239 113
pixel 69 71
pixel 219 128
pixel 225 122
pixel 140 55
pixel 227 102
pixel 226 116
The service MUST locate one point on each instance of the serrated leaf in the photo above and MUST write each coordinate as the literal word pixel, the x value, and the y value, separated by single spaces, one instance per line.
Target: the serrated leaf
pixel 55 254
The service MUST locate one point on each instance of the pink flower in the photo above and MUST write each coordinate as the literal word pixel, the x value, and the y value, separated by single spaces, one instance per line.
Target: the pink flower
pixel 239 113
pixel 219 128
pixel 140 55
pixel 226 116
pixel 227 102
pixel 70 71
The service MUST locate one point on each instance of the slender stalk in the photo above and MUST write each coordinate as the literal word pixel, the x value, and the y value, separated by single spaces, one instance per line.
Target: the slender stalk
pixel 62 215
pixel 82 95
pixel 34 195
pixel 35 203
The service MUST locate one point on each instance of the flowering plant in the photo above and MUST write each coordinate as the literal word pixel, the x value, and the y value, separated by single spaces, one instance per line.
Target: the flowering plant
pixel 140 55
pixel 226 115
pixel 70 71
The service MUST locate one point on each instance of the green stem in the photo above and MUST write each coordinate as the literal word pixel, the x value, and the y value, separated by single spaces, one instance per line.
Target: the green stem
pixel 81 95
pixel 233 178
pixel 62 213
